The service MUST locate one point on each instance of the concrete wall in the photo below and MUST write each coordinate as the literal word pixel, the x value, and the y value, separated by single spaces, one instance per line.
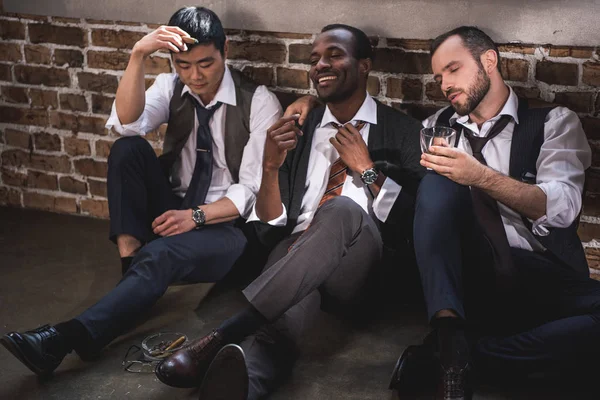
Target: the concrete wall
pixel 560 22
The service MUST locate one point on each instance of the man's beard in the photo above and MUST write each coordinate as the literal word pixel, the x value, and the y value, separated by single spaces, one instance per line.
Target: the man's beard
pixel 475 94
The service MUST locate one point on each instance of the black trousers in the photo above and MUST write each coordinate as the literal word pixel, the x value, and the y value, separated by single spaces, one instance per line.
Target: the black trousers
pixel 550 320
pixel 138 192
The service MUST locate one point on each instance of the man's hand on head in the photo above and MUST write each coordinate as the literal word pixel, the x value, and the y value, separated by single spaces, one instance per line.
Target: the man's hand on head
pixel 352 148
pixel 173 222
pixel 302 106
pixel 165 37
pixel 455 164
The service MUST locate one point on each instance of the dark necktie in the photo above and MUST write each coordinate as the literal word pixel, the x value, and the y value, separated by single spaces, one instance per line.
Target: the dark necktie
pixel 200 182
pixel 487 212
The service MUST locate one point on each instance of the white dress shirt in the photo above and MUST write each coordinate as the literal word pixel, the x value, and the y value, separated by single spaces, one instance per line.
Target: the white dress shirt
pixel 564 157
pixel 322 156
pixel 265 110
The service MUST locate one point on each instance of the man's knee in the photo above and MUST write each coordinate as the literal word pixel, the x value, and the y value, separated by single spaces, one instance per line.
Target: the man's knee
pixel 439 194
pixel 340 207
pixel 124 148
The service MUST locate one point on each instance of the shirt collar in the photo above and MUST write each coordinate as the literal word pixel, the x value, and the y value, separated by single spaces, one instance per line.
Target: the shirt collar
pixel 225 93
pixel 510 108
pixel 367 112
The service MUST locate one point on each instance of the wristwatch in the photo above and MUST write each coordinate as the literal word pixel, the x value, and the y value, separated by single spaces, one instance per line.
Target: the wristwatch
pixel 198 216
pixel 369 176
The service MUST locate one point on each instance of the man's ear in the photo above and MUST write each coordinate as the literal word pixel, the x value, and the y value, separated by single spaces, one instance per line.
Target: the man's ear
pixel 490 61
pixel 365 65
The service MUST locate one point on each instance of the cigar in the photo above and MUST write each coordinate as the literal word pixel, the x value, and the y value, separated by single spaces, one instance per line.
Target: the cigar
pixel 189 40
pixel 175 343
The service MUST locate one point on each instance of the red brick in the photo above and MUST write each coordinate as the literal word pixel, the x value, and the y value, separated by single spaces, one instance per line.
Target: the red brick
pixel 280 35
pixel 557 73
pixel 49 203
pixel 261 75
pixel 66 20
pixel 12 30
pixel 157 65
pixel 128 23
pixel 97 82
pixel 514 69
pixel 399 61
pixel 516 48
pixel 527 92
pixel 10 52
pixel 591 205
pixel 69 58
pixel 89 167
pixel 120 39
pixel 593 258
pixel 148 82
pixel 434 92
pixel 77 123
pixel 115 60
pixel 23 16
pixel 77 147
pixel 99 21
pixel 97 188
pixel 592 180
pixel 373 86
pixel 20 158
pixel 591 73
pixel 71 185
pixel 576 52
pixel 158 134
pixel 10 197
pixel 300 53
pixel 13 178
pixel 43 98
pixel 47 141
pixel 102 104
pixel 24 116
pixel 74 102
pixel 5 72
pixel 18 139
pixel 103 148
pixel 588 231
pixel 40 180
pixel 406 89
pixel 295 78
pixel 576 101
pixel 591 126
pixel 260 52
pixel 12 94
pixel 96 208
pixel 410 44
pixel 37 54
pixel 42 76
pixel 67 35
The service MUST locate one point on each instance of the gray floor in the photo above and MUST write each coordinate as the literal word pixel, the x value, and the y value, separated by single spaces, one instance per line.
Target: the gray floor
pixel 54 266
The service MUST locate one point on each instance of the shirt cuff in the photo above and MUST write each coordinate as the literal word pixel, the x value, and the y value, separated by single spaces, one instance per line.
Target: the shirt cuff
pixel 279 221
pixel 242 197
pixel 556 205
pixel 383 203
pixel 131 129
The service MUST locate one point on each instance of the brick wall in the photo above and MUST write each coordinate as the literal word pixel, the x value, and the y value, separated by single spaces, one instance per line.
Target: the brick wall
pixel 58 78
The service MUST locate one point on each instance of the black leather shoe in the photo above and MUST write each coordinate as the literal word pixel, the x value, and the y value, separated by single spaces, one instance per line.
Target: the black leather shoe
pixel 455 383
pixel 227 376
pixel 41 349
pixel 416 369
pixel 186 367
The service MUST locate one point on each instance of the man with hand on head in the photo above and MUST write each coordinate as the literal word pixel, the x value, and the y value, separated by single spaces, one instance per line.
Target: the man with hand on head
pixel 325 191
pixel 495 230
pixel 172 217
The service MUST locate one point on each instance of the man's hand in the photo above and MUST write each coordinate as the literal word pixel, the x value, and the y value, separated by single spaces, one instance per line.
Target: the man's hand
pixel 166 37
pixel 173 222
pixel 281 137
pixel 352 148
pixel 302 106
pixel 457 165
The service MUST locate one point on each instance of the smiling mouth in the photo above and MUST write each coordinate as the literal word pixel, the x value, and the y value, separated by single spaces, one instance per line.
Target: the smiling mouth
pixel 327 79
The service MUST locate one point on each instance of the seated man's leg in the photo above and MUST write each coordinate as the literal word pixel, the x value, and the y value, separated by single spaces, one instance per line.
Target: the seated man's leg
pixel 563 313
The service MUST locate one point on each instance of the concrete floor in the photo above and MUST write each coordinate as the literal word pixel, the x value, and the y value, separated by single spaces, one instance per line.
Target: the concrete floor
pixel 54 266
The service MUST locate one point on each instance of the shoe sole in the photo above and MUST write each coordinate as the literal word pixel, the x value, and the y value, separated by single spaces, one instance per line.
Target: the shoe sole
pixel 15 350
pixel 227 376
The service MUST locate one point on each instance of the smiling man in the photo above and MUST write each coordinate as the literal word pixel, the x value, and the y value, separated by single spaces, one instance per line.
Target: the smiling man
pixel 172 217
pixel 325 191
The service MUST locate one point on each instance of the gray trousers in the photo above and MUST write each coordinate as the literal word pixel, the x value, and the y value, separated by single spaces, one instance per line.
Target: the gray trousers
pixel 329 262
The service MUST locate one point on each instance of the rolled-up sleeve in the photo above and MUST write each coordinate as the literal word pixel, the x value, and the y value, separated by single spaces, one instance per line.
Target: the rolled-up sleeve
pixel 383 203
pixel 156 109
pixel 279 221
pixel 564 157
pixel 264 112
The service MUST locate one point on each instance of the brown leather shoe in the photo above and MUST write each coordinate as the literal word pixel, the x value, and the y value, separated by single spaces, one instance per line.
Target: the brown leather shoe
pixel 186 367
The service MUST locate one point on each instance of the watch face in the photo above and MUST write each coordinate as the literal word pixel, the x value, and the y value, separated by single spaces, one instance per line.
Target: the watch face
pixel 198 216
pixel 369 176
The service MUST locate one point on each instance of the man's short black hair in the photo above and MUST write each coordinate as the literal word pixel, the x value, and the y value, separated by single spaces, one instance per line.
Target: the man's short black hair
pixel 202 24
pixel 474 39
pixel 362 44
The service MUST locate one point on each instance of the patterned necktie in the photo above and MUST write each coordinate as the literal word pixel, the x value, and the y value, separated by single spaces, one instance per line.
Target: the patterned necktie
pixel 200 182
pixel 337 173
pixel 487 212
